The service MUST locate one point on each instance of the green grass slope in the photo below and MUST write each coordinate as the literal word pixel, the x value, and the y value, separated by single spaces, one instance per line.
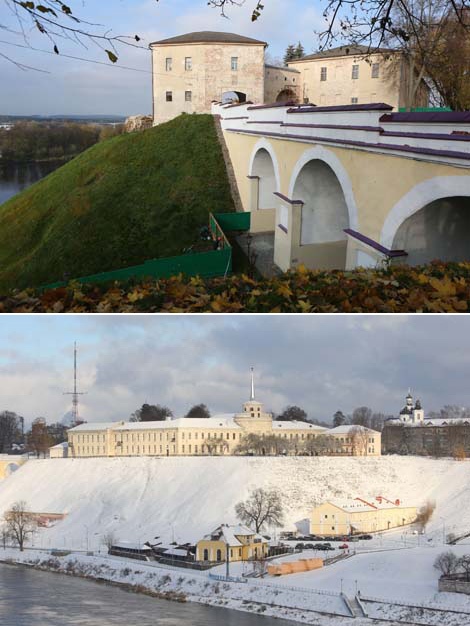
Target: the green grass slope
pixel 123 201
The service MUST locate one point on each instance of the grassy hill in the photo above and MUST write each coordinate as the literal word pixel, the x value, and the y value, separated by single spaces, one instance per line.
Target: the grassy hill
pixel 123 201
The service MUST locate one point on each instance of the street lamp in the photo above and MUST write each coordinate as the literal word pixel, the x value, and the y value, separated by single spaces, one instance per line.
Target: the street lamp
pixel 86 528
pixel 443 530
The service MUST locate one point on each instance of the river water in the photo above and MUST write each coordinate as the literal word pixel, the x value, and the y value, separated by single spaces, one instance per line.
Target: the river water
pixel 14 177
pixel 32 598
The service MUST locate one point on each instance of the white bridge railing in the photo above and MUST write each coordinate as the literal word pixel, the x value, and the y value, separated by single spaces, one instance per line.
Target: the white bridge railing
pixel 441 137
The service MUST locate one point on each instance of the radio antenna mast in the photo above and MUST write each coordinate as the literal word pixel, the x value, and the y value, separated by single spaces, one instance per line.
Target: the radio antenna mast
pixel 75 415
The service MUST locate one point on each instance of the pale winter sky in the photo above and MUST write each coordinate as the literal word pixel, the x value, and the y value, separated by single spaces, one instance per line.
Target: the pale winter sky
pixel 78 87
pixel 321 363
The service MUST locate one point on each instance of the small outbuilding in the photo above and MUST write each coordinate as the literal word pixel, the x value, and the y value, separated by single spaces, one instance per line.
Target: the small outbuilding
pixel 60 451
pixel 239 542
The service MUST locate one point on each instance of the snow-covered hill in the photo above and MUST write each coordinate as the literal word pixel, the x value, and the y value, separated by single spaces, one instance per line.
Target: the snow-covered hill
pixel 140 498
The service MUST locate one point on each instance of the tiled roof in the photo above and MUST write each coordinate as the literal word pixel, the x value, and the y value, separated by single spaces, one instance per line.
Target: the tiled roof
pixel 208 36
pixel 341 51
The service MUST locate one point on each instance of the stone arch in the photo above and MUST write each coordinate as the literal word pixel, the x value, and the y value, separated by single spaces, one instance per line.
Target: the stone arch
pixel 439 230
pixel 229 97
pixel 264 165
pixel 320 153
pixel 421 195
pixel 287 95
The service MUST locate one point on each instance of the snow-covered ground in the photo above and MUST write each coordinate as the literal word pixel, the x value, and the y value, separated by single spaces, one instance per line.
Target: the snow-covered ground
pixel 138 499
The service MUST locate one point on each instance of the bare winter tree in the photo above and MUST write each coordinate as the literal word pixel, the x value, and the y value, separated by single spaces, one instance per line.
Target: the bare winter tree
pixel 59 22
pixel 319 446
pixel 463 563
pixel 425 513
pixel 20 523
pixel 263 508
pixel 109 539
pixel 213 445
pixel 446 563
pixel 359 438
pixel 356 21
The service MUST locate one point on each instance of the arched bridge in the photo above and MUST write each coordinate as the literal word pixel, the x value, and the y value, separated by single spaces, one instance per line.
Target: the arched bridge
pixel 10 463
pixel 349 186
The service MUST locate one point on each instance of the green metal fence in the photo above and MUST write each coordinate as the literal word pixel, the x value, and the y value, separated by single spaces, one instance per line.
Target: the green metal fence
pixel 233 221
pixel 424 109
pixel 205 264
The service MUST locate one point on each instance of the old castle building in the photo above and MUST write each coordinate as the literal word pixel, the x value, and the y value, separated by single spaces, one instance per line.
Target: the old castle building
pixel 350 75
pixel 217 435
pixel 191 71
pixel 411 432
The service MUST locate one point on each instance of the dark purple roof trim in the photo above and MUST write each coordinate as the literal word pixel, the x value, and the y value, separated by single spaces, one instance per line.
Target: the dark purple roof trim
pixel 454 137
pixel 283 228
pixel 375 106
pixel 361 144
pixel 265 122
pixel 436 117
pixel 274 105
pixel 374 244
pixel 286 199
pixel 375 129
pixel 242 117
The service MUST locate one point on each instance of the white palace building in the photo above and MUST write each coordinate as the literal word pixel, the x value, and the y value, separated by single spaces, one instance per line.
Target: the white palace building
pixel 216 435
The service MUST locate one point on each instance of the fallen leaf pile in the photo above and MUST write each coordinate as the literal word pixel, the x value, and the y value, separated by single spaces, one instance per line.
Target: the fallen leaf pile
pixel 434 288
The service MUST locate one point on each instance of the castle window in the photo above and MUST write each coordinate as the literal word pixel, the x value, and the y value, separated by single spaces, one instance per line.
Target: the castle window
pixel 188 96
pixel 234 64
pixel 375 70
pixel 188 64
pixel 354 100
pixel 355 72
pixel 168 64
pixel 169 96
pixel 323 73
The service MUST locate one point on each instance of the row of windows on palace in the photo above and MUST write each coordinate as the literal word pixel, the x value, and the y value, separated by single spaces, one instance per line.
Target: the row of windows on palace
pixel 170 436
pixel 93 450
pixel 188 66
pixel 188 97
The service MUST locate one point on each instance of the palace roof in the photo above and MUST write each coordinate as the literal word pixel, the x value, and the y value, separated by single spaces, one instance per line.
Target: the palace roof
pixel 208 36
pixel 342 51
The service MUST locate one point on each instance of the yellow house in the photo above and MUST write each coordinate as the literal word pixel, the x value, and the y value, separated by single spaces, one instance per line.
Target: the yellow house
pixel 345 517
pixel 241 544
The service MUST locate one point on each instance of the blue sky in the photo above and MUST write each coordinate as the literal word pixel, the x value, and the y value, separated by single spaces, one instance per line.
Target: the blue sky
pixel 321 363
pixel 78 87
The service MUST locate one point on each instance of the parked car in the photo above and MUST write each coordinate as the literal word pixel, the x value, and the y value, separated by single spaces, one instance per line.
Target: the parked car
pixel 308 546
pixel 299 546
pixel 343 546
pixel 327 546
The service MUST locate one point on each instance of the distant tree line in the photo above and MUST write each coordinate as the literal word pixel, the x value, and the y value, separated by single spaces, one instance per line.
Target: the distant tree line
pixel 37 439
pixel 35 141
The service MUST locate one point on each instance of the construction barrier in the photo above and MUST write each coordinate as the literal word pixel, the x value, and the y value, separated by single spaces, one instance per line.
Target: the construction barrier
pixel 295 567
